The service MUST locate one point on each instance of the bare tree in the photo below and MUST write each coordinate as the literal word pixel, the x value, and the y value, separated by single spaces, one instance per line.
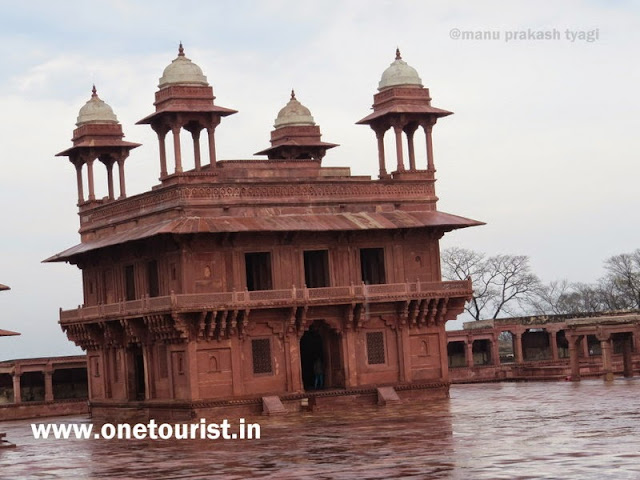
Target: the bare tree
pixel 501 283
pixel 552 298
pixel 623 279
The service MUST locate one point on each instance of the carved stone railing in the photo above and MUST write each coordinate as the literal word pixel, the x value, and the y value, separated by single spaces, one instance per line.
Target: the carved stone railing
pixel 269 299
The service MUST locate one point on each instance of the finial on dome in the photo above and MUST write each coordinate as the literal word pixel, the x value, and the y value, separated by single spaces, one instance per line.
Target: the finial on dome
pixel 94 92
pixel 293 94
pixel 180 50
pixel 398 56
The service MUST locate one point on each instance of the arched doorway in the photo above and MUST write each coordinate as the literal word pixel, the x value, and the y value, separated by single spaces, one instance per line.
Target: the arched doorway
pixel 321 343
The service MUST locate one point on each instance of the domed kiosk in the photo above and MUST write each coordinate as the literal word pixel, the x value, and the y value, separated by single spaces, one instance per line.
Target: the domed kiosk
pixel 98 136
pixel 185 100
pixel 296 135
pixel 402 103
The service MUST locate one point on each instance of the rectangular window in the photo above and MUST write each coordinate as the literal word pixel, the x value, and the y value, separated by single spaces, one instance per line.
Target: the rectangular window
pixel 129 283
pixel 375 348
pixel 372 265
pixel 316 268
pixel 258 269
pixel 261 353
pixel 152 278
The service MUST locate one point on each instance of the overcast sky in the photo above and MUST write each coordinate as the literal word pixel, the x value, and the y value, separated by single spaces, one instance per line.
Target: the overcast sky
pixel 543 145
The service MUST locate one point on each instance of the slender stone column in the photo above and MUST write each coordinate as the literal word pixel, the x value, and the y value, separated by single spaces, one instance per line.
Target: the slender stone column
pixel 48 385
pixel 92 195
pixel 381 159
pixel 412 156
pixel 163 153
pixel 17 392
pixel 212 146
pixel 78 166
pixel 627 359
pixel 176 148
pixel 469 353
pixel 398 132
pixel 574 360
pixel 195 135
pixel 554 344
pixel 109 166
pixel 123 190
pixel 518 347
pixel 607 369
pixel 427 132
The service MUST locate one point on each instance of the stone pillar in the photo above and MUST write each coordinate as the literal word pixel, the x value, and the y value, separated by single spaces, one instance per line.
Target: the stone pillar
pixel 123 191
pixel 495 352
pixel 349 355
pixel 574 360
pixel 398 131
pixel 553 341
pixel 427 133
pixel 176 148
pixel 410 130
pixel 292 359
pixel 17 392
pixel 605 346
pixel 163 153
pixel 212 145
pixel 78 166
pixel 517 348
pixel 469 353
pixel 381 159
pixel 48 385
pixel 444 358
pixel 92 195
pixel 192 363
pixel 236 365
pixel 195 135
pixel 109 165
pixel 627 358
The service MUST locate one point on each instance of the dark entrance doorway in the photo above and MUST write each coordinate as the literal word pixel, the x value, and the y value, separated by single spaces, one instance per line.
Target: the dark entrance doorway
pixel 137 380
pixel 321 343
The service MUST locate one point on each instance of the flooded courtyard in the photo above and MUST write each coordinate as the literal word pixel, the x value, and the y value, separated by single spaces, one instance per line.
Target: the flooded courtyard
pixel 587 430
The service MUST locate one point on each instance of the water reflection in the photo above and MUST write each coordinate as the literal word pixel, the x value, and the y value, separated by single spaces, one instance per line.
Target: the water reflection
pixel 489 431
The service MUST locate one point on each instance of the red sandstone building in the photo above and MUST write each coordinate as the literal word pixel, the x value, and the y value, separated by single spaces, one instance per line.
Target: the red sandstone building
pixel 226 282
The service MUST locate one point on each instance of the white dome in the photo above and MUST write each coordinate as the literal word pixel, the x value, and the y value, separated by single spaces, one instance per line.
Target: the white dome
pixel 399 73
pixel 95 111
pixel 293 113
pixel 182 71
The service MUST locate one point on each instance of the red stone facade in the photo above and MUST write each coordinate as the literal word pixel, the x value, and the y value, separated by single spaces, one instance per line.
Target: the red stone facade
pixel 227 282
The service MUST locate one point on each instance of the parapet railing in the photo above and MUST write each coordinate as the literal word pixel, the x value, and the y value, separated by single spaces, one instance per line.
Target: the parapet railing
pixel 269 298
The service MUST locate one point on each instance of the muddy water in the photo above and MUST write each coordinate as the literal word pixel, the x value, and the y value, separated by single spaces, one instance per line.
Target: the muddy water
pixel 589 430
